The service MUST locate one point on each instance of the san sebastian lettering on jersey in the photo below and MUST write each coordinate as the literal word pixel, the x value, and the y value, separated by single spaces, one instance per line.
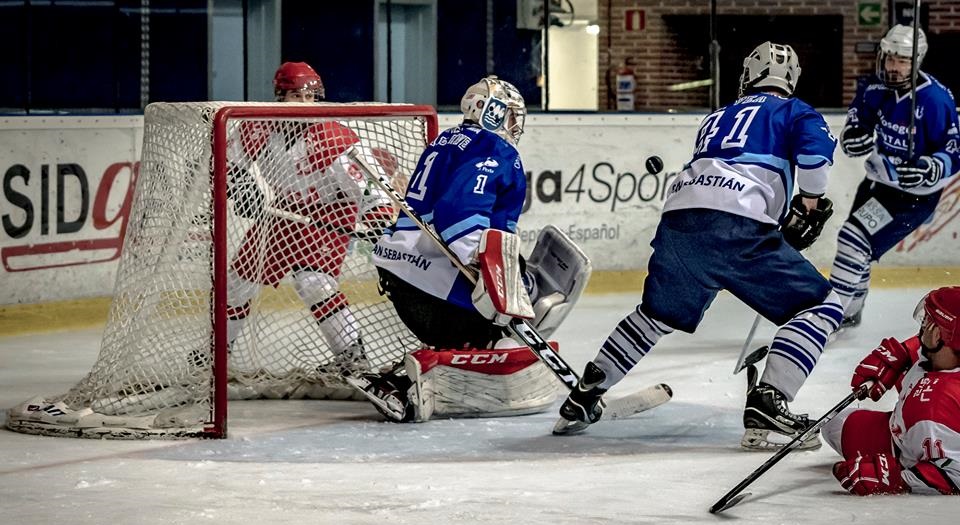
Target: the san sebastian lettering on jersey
pixel 748 156
pixel 469 179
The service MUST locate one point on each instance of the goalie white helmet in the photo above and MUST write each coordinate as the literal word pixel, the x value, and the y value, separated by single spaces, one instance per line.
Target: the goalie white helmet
pixel 898 42
pixel 495 105
pixel 770 66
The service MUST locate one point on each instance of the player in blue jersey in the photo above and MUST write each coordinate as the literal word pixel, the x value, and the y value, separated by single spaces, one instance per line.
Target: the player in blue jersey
pixel 899 193
pixel 469 186
pixel 720 229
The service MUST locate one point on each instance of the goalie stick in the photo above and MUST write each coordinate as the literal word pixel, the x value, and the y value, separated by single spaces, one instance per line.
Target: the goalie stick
pixel 734 496
pixel 518 327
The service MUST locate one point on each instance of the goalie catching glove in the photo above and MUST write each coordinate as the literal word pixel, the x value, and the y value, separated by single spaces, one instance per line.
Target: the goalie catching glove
pixel 499 294
pixel 803 226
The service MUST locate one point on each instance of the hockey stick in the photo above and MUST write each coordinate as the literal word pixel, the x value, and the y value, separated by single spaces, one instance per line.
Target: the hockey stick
pixel 913 79
pixel 741 360
pixel 358 232
pixel 734 496
pixel 523 331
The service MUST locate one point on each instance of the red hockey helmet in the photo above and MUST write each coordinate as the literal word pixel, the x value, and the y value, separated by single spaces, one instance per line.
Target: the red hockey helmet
pixel 942 308
pixel 297 76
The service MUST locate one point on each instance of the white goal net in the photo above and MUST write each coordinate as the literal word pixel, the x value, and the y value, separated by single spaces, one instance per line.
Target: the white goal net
pixel 245 270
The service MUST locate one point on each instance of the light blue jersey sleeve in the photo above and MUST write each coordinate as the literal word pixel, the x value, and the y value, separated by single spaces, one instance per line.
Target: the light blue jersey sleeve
pixel 812 146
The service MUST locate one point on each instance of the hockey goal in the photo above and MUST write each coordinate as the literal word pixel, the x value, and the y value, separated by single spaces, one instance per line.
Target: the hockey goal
pixel 245 270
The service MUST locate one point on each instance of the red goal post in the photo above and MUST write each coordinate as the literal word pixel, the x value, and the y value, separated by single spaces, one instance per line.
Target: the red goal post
pixel 289 242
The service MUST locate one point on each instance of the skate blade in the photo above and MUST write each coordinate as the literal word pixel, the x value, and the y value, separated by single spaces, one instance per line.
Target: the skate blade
pixel 390 408
pixel 758 439
pixel 565 427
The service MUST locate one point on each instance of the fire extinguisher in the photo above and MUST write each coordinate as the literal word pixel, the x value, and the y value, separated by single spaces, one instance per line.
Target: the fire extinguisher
pixel 626 84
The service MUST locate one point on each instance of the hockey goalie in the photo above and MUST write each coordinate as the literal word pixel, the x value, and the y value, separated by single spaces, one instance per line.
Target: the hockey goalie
pixel 469 187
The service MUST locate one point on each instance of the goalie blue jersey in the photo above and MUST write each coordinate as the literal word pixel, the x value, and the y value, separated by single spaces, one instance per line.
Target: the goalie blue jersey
pixel 469 179
pixel 748 156
pixel 887 112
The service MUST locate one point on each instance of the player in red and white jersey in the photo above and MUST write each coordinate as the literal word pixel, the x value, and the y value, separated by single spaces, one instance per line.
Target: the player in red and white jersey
pixel 309 200
pixel 916 447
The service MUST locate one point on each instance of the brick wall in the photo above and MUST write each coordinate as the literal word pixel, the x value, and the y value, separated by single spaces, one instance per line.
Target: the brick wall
pixel 659 59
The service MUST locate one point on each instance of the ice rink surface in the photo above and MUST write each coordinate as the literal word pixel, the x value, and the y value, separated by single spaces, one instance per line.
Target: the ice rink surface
pixel 337 462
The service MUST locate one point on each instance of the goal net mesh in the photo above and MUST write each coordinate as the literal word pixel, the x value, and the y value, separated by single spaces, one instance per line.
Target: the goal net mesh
pixel 298 297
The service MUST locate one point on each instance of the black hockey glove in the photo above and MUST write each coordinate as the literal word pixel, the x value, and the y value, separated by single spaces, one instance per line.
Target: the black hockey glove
pixel 802 226
pixel 926 171
pixel 248 199
pixel 856 141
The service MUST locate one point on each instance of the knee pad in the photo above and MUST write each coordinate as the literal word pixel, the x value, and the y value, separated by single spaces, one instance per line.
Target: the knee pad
pixel 314 287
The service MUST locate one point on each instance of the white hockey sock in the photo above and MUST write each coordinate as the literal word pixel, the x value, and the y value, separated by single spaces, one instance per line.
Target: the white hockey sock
pixel 340 329
pixel 633 337
pixel 798 344
pixel 236 318
pixel 850 274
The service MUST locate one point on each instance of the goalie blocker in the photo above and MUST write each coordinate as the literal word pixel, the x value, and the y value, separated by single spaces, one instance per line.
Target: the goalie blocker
pixel 480 382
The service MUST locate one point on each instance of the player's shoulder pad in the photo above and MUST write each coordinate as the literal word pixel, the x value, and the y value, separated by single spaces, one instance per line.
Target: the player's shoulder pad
pixel 939 92
pixel 800 109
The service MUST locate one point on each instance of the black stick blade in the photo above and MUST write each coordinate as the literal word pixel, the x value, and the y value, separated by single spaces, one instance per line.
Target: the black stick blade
pixel 725 503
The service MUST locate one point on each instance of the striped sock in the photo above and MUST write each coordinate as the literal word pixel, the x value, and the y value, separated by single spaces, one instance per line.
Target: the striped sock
pixel 633 337
pixel 798 344
pixel 850 274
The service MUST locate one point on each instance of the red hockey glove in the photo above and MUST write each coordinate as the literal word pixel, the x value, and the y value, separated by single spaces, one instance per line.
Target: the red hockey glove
pixel 871 474
pixel 884 366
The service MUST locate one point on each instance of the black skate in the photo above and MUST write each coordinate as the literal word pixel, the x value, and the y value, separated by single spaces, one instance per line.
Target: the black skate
pixel 848 323
pixel 584 406
pixel 769 423
pixel 387 392
pixel 353 360
pixel 852 321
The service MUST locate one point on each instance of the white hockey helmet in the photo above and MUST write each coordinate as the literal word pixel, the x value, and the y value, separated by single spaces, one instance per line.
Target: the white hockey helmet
pixel 496 105
pixel 772 66
pixel 899 42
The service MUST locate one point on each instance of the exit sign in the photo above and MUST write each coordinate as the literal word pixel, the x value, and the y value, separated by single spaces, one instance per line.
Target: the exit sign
pixel 634 20
pixel 869 13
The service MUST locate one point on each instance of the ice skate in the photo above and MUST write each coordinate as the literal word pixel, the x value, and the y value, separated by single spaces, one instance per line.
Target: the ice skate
pixel 387 392
pixel 352 360
pixel 769 423
pixel 848 323
pixel 584 406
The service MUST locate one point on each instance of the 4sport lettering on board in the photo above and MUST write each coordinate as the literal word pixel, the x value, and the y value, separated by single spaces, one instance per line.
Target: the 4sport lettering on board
pixel 601 184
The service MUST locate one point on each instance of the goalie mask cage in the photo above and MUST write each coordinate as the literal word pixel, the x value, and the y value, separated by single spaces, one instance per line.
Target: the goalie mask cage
pixel 259 191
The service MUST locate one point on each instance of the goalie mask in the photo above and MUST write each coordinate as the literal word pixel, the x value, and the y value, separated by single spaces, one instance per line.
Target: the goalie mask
pixel 898 44
pixel 941 307
pixel 770 66
pixel 497 106
pixel 297 76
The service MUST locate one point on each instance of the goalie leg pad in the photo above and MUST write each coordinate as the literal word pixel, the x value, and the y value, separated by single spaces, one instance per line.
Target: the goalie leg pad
pixel 479 383
pixel 558 271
